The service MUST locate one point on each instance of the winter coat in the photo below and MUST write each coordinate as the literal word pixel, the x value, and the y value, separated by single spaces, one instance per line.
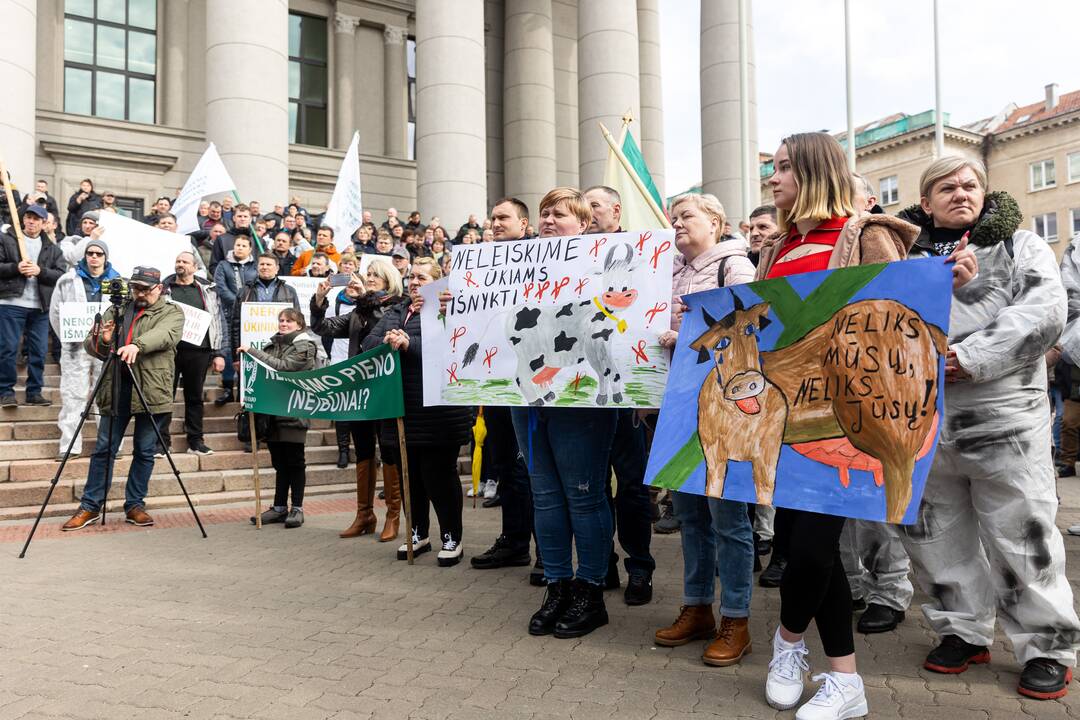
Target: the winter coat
pixel 703 272
pixel 224 245
pixel 231 277
pixel 76 209
pixel 211 304
pixel 864 240
pixel 424 426
pixel 1001 324
pixel 355 325
pixel 300 267
pixel 156 333
pixel 285 263
pixel 283 293
pixel 50 260
pixel 71 288
pixel 293 352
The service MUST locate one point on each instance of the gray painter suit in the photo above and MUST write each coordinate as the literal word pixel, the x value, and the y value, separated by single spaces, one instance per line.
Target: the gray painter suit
pixel 985 544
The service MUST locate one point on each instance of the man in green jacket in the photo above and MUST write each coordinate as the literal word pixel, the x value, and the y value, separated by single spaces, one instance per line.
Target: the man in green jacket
pixel 152 328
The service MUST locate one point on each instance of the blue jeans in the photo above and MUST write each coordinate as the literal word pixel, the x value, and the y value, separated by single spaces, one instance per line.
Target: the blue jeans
pixel 1059 411
pixel 15 324
pixel 567 452
pixel 717 540
pixel 142 459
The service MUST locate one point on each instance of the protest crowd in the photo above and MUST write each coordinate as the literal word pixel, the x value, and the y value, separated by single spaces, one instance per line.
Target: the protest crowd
pixel 570 482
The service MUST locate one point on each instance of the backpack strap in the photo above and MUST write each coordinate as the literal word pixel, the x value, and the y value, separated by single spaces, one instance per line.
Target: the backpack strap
pixel 720 273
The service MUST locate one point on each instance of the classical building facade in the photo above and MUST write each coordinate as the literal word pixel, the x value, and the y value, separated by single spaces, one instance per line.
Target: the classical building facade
pixel 457 102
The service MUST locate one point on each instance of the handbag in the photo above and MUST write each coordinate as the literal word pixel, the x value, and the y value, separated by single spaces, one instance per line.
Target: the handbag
pixel 243 427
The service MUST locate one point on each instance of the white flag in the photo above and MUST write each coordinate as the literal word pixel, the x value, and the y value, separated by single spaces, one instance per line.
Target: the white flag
pixel 133 243
pixel 345 211
pixel 208 177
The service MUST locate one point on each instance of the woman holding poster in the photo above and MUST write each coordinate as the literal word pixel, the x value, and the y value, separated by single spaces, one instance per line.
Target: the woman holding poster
pixel 433 435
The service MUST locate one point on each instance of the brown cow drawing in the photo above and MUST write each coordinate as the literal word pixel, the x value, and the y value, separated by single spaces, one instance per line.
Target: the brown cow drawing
pixel 867 377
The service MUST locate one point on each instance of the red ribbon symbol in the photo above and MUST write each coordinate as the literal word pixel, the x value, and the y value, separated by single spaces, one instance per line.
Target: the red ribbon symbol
pixel 642 239
pixel 581 285
pixel 489 354
pixel 595 252
pixel 664 247
pixel 469 281
pixel 458 332
pixel 656 310
pixel 528 289
pixel 559 285
pixel 639 353
pixel 578 377
pixel 541 288
pixel 453 372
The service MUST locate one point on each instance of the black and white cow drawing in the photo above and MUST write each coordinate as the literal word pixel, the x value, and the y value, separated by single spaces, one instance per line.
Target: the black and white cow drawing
pixel 546 339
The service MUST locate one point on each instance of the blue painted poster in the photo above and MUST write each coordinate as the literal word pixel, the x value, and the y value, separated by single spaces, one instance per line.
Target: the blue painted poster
pixel 820 391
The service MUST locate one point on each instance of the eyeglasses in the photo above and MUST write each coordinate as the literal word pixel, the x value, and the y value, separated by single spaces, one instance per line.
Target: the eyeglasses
pixel 142 289
pixel 90 253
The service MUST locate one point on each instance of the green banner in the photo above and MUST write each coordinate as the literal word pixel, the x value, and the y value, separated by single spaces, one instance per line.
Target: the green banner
pixel 364 387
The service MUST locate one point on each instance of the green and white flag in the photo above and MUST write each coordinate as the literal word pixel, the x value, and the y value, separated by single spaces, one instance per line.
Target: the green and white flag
pixel 364 387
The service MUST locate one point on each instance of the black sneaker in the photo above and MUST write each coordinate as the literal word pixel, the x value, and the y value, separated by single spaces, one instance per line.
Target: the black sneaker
pixel 858 604
pixel 224 398
pixel 419 545
pixel 493 501
pixel 502 554
pixel 774 573
pixel 198 447
pixel 586 612
pixel 879 619
pixel 343 458
pixel 272 516
pixel 536 575
pixel 295 518
pixel 37 399
pixel 556 601
pixel 638 589
pixel 762 546
pixel 667 523
pixel 1044 679
pixel 954 655
pixel 1066 470
pixel 8 401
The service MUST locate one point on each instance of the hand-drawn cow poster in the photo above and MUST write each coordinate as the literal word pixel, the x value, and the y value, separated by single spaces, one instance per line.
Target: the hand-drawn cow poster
pixel 820 391
pixel 563 321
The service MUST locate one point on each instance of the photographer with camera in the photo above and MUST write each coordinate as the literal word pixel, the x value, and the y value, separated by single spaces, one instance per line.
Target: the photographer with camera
pixel 144 333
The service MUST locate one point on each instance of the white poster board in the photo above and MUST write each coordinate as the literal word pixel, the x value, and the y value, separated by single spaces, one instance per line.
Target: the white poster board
pixel 258 323
pixel 76 319
pixel 196 324
pixel 133 243
pixel 305 287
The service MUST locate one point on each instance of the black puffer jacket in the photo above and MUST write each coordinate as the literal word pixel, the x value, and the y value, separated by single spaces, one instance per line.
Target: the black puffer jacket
pixel 76 209
pixel 355 325
pixel 424 426
pixel 50 260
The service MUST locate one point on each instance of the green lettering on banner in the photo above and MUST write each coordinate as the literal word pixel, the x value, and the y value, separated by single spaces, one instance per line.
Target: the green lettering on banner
pixel 364 387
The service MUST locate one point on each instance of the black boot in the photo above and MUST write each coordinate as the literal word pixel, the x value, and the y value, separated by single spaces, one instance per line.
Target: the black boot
pixel 954 655
pixel 879 619
pixel 556 601
pixel 586 612
pixel 343 457
pixel 226 396
pixel 1044 679
pixel 536 575
pixel 774 573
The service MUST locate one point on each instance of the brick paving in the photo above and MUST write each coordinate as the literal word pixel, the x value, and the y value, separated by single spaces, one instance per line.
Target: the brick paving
pixel 159 623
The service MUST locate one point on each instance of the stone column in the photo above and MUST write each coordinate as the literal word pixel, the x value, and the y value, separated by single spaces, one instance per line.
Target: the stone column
pixel 607 79
pixel 247 106
pixel 18 78
pixel 652 96
pixel 344 66
pixel 564 35
pixel 721 150
pixel 174 79
pixel 396 85
pixel 528 102
pixel 450 133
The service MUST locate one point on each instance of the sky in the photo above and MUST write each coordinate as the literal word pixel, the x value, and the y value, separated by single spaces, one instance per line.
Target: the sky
pixel 992 53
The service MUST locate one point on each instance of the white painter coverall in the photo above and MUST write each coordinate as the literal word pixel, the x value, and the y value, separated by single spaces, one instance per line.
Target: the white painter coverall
pixel 78 370
pixel 876 563
pixel 985 543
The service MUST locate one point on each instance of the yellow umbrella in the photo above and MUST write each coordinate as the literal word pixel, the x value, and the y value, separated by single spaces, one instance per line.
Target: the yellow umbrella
pixel 479 433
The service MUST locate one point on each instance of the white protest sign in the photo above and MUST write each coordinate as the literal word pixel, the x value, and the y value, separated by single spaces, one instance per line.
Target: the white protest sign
pixel 196 324
pixel 76 319
pixel 133 243
pixel 567 321
pixel 305 287
pixel 433 330
pixel 345 211
pixel 258 323
pixel 208 177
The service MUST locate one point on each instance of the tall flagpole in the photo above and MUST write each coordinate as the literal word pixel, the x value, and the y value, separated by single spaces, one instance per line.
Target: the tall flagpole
pixel 744 114
pixel 847 85
pixel 939 121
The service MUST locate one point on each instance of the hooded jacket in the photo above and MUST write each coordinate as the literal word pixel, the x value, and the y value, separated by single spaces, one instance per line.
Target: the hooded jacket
pixel 703 272
pixel 231 276
pixel 208 291
pixel 300 267
pixel 72 288
pixel 292 352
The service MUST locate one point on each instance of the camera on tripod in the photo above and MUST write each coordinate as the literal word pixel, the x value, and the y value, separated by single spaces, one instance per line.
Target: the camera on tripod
pixel 117 289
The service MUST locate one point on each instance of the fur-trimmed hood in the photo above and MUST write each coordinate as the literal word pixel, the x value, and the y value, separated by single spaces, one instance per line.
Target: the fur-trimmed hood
pixel 999 221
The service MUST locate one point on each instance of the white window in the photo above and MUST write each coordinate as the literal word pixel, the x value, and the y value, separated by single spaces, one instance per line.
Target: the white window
pixel 1042 175
pixel 1073 161
pixel 889 191
pixel 1074 222
pixel 1045 226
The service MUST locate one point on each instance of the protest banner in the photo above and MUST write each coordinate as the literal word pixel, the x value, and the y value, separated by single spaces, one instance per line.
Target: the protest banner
pixel 820 391
pixel 133 243
pixel 76 319
pixel 208 178
pixel 196 324
pixel 567 321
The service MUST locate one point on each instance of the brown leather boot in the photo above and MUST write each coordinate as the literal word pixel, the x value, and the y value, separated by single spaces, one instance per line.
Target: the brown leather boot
pixel 731 643
pixel 365 521
pixel 392 490
pixel 695 622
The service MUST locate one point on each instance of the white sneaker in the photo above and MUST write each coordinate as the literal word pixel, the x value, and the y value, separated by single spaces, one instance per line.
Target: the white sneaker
pixel 471 492
pixel 490 488
pixel 1073 530
pixel 835 700
pixel 419 544
pixel 450 553
pixel 784 685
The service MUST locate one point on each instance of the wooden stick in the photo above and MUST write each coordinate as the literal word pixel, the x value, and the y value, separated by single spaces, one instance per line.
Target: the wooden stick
pixel 255 469
pixel 14 210
pixel 661 218
pixel 405 490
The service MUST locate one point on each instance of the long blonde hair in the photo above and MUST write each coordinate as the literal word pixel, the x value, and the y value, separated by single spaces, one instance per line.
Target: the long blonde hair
pixel 825 186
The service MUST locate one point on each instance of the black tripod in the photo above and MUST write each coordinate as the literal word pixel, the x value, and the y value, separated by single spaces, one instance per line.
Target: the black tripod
pixel 112 360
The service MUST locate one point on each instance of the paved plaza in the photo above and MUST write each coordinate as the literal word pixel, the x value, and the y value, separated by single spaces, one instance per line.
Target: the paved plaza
pixel 159 623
